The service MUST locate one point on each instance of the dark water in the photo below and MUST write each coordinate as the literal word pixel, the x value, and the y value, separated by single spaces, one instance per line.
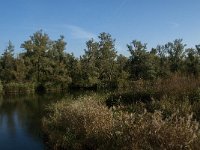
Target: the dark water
pixel 20 121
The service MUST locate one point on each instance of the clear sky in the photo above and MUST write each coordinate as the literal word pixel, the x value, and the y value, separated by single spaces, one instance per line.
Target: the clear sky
pixel 151 21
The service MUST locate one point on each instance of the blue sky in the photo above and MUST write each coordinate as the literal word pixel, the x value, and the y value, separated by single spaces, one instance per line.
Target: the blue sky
pixel 151 21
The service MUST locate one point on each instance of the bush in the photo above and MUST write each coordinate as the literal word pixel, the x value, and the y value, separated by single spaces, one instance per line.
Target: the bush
pixel 22 88
pixel 107 85
pixel 88 124
pixel 77 125
pixel 52 87
pixel 127 98
pixel 151 131
pixel 175 87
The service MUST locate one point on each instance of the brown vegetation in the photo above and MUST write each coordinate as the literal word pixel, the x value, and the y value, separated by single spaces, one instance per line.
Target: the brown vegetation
pixel 89 124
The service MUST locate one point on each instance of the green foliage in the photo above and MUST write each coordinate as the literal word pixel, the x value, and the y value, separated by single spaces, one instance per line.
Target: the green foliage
pixel 23 88
pixel 89 62
pixel 7 64
pixel 142 63
pixel 98 64
pixel 175 51
pixel 45 62
pixel 192 62
pixel 36 49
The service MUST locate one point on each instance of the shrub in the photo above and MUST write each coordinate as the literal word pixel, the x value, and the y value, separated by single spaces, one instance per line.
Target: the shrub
pixel 175 87
pixel 127 98
pixel 88 124
pixel 78 124
pixel 53 87
pixel 13 87
pixel 151 131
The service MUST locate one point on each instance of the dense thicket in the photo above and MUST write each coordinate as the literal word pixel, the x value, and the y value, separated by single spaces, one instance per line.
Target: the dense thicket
pixel 86 123
pixel 44 62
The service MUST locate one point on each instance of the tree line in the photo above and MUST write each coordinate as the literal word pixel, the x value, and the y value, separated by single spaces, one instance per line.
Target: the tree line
pixel 45 62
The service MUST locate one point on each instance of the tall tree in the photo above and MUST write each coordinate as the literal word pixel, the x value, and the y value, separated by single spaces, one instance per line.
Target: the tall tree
pixel 89 62
pixel 107 56
pixel 192 62
pixel 57 71
pixel 164 68
pixel 141 62
pixel 176 53
pixel 74 67
pixel 122 71
pixel 7 63
pixel 20 70
pixel 36 49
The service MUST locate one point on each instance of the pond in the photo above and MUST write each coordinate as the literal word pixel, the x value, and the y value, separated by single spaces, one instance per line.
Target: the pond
pixel 20 121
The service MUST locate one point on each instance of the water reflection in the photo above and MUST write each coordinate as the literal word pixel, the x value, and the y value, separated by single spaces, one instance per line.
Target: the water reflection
pixel 20 121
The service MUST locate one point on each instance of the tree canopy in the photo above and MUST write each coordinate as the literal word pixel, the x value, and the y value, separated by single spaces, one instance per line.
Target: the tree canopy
pixel 46 61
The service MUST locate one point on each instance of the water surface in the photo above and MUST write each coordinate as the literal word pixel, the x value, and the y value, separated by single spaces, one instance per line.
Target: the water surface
pixel 20 121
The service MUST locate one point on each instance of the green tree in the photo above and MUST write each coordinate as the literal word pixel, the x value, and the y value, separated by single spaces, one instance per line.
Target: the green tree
pixel 20 69
pixel 192 62
pixel 176 53
pixel 35 50
pixel 74 67
pixel 163 63
pixel 141 62
pixel 7 64
pixel 89 63
pixel 98 64
pixel 107 58
pixel 122 71
pixel 198 49
pixel 57 71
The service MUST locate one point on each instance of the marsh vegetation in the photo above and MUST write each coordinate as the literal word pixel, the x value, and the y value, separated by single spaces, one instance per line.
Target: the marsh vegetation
pixel 146 116
pixel 151 98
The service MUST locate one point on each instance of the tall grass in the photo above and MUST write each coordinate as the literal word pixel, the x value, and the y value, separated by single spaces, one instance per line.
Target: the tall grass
pixel 175 87
pixel 88 124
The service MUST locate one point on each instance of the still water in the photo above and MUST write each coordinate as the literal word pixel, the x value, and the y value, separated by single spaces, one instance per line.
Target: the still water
pixel 20 121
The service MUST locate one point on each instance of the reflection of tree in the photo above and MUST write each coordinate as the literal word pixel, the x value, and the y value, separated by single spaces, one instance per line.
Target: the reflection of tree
pixel 8 117
pixel 22 115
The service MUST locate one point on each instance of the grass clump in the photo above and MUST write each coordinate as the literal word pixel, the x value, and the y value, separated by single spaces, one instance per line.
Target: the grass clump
pixel 88 124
